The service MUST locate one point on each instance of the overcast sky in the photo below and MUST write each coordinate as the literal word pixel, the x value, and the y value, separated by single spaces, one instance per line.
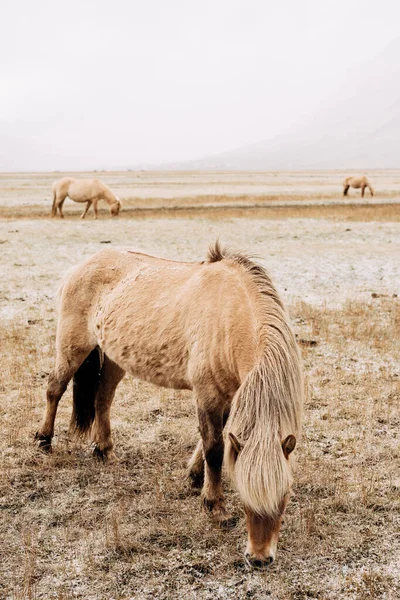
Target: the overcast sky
pixel 91 84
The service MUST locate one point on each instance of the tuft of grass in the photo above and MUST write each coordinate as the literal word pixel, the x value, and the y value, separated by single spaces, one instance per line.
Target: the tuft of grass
pixel 223 207
pixel 73 525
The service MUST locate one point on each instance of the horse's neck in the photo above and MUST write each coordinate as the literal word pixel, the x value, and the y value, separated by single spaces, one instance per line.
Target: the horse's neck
pixel 109 197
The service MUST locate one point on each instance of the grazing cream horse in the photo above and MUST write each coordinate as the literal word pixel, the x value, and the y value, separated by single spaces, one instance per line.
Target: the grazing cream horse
pixel 357 182
pixel 83 190
pixel 216 327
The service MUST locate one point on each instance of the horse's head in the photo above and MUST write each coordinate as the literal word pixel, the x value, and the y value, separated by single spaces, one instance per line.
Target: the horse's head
pixel 263 527
pixel 115 207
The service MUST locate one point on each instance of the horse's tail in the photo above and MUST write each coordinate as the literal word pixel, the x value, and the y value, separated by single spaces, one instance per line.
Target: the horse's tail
pixel 85 386
pixel 53 208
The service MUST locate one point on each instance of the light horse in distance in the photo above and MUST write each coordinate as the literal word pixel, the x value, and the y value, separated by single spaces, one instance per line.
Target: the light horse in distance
pixel 216 327
pixel 83 190
pixel 357 183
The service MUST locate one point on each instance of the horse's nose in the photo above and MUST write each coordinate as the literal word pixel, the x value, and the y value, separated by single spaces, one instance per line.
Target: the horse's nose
pixel 259 563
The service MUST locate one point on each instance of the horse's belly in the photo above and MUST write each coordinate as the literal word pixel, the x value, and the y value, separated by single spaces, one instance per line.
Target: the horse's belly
pixel 80 197
pixel 163 366
pixel 170 379
pixel 80 193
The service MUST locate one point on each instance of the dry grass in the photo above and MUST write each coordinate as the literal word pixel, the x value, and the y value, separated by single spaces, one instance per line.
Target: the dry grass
pixel 72 527
pixel 344 212
pixel 225 208
pixel 152 194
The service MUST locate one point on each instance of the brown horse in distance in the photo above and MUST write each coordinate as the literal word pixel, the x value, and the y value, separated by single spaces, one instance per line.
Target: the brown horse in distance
pixel 216 327
pixel 357 183
pixel 83 190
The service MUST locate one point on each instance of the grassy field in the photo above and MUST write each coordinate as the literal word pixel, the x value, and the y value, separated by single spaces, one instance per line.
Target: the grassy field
pixel 74 528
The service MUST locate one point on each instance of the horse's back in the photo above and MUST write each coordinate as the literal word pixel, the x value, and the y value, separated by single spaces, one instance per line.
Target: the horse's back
pixel 351 180
pixel 99 271
pixel 81 190
pixel 356 181
pixel 184 319
pixel 93 280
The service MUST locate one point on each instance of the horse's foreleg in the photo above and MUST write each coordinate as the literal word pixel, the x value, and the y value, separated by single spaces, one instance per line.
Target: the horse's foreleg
pixel 362 191
pixel 111 375
pixel 88 204
pixel 196 466
pixel 345 190
pixel 371 191
pixel 196 461
pixel 95 208
pixel 211 423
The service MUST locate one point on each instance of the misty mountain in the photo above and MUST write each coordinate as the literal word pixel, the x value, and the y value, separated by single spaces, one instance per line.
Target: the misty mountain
pixel 358 128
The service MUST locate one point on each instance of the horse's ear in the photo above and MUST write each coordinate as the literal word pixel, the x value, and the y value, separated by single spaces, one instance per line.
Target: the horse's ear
pixel 288 445
pixel 236 444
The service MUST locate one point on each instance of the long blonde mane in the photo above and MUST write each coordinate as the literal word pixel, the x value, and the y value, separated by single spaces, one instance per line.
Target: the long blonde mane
pixel 268 405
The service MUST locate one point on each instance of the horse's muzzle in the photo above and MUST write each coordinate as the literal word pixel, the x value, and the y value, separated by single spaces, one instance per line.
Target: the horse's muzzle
pixel 258 563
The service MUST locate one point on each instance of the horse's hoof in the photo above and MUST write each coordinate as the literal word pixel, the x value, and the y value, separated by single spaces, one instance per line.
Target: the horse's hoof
pixel 43 442
pixel 105 455
pixel 208 505
pixel 222 518
pixel 228 523
pixel 196 480
pixel 99 454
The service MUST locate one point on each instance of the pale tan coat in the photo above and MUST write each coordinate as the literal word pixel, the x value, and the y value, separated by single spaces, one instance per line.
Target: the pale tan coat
pixel 142 305
pixel 357 183
pixel 83 190
pixel 218 328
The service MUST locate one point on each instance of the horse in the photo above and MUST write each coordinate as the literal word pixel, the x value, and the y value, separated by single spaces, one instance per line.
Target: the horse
pixel 216 327
pixel 83 190
pixel 357 182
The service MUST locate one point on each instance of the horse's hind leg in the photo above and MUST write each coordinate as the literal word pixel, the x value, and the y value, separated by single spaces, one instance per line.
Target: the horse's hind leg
pixel 55 389
pixel 59 205
pixel 111 375
pixel 57 384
